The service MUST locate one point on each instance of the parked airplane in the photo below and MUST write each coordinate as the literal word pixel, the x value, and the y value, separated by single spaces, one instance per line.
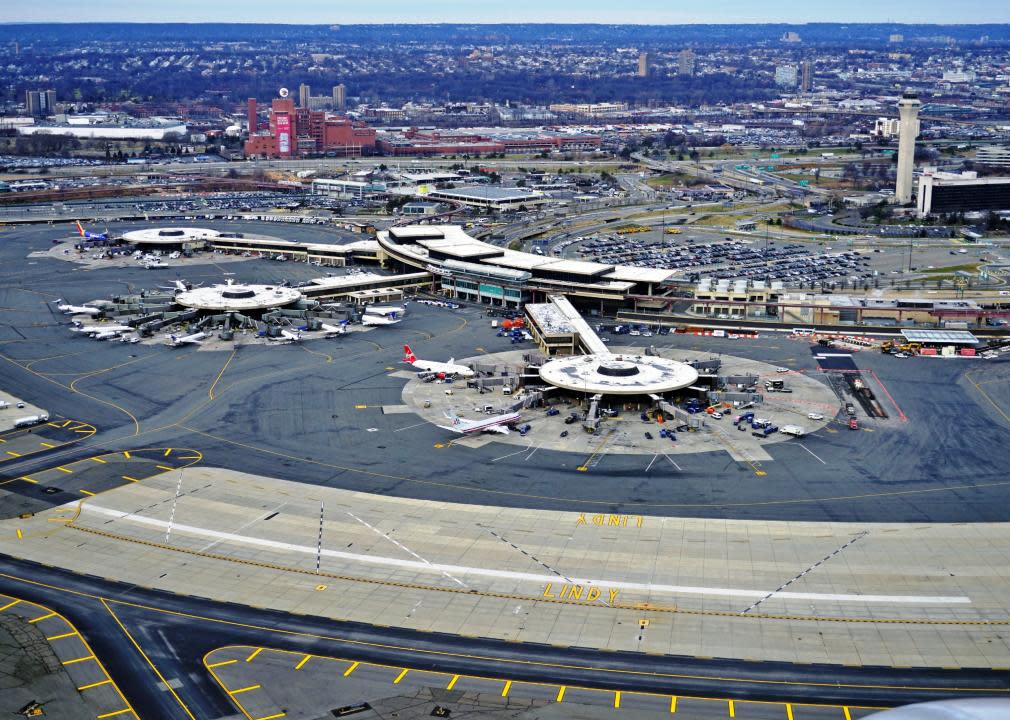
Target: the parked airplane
pixel 90 235
pixel 78 309
pixel 332 330
pixel 292 335
pixel 179 286
pixel 107 334
pixel 447 368
pixel 179 340
pixel 98 329
pixel 385 311
pixel 498 424
pixel 367 319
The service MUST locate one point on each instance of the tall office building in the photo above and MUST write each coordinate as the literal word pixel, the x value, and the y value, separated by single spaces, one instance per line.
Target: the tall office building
pixel 806 82
pixel 304 93
pixel 40 103
pixel 685 62
pixel 908 111
pixel 251 119
pixel 644 64
pixel 339 97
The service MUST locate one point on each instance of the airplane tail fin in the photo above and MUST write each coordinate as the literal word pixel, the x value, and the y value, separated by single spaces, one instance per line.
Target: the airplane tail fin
pixel 80 230
pixel 408 354
pixel 452 417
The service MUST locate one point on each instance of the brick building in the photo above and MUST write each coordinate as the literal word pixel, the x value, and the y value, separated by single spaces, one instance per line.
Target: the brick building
pixel 297 132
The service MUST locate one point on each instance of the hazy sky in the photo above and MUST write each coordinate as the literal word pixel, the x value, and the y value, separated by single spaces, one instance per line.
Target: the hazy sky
pixel 493 11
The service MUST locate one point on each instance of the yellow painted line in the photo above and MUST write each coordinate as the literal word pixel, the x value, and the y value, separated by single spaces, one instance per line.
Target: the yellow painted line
pixel 68 422
pixel 9 605
pixel 126 454
pixel 164 467
pixel 82 688
pixel 190 457
pixel 52 424
pixel 561 694
pixel 168 451
pixel 789 712
pixel 673 704
pixel 88 493
pixel 732 709
pixel 245 689
pixel 452 683
pixel 28 479
pixel 223 662
pixel 20 534
pixel 352 668
pixel 59 519
pixel 302 662
pixel 77 660
pixel 98 460
pixel 84 432
pixel 131 479
pixel 505 690
pixel 760 472
pixel 253 654
pixel 12 453
pixel 400 677
pixel 117 712
pixel 617 699
pixel 40 618
pixel 360 407
pixel 65 470
pixel 845 711
pixel 60 637
pixel 270 717
pixel 45 444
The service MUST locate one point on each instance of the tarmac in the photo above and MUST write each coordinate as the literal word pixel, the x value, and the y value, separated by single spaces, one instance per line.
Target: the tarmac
pixel 882 546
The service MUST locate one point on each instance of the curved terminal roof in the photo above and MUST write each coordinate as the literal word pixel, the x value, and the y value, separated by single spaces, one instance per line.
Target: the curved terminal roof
pixel 611 374
pixel 169 236
pixel 238 298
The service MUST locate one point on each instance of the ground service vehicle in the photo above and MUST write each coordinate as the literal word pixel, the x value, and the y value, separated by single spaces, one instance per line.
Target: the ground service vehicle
pixel 853 425
pixel 31 420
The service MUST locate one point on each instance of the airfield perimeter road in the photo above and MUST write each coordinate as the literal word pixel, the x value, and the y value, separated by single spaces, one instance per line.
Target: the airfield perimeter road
pixel 313 414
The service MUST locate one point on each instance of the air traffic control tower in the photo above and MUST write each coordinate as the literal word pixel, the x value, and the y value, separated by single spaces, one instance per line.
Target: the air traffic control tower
pixel 908 110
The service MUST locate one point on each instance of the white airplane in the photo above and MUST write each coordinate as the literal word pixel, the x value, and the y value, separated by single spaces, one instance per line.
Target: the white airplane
pixel 78 309
pixel 367 319
pixel 498 424
pixel 99 329
pixel 386 311
pixel 292 335
pixel 179 286
pixel 194 339
pixel 332 330
pixel 107 334
pixel 446 368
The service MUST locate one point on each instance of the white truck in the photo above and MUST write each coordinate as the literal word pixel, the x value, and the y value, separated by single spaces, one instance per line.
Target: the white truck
pixel 31 420
pixel 794 430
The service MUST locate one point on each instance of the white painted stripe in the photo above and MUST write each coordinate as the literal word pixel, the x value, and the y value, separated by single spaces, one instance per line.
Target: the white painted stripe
pixel 811 452
pixel 525 577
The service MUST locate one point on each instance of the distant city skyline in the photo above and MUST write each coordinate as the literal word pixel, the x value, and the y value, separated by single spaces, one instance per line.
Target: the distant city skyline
pixel 650 12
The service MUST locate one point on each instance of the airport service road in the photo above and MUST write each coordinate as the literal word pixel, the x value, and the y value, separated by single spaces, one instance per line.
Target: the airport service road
pixel 315 413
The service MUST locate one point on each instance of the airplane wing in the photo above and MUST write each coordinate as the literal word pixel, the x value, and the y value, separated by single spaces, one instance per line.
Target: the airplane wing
pixel 499 429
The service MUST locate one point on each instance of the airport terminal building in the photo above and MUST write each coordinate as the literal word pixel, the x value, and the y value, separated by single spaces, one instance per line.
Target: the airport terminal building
pixel 473 270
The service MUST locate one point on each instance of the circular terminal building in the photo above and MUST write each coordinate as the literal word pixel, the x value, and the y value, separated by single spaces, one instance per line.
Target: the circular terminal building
pixel 618 374
pixel 246 299
pixel 172 238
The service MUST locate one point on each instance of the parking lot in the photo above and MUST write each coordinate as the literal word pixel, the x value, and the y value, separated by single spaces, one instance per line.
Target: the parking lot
pixel 732 258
